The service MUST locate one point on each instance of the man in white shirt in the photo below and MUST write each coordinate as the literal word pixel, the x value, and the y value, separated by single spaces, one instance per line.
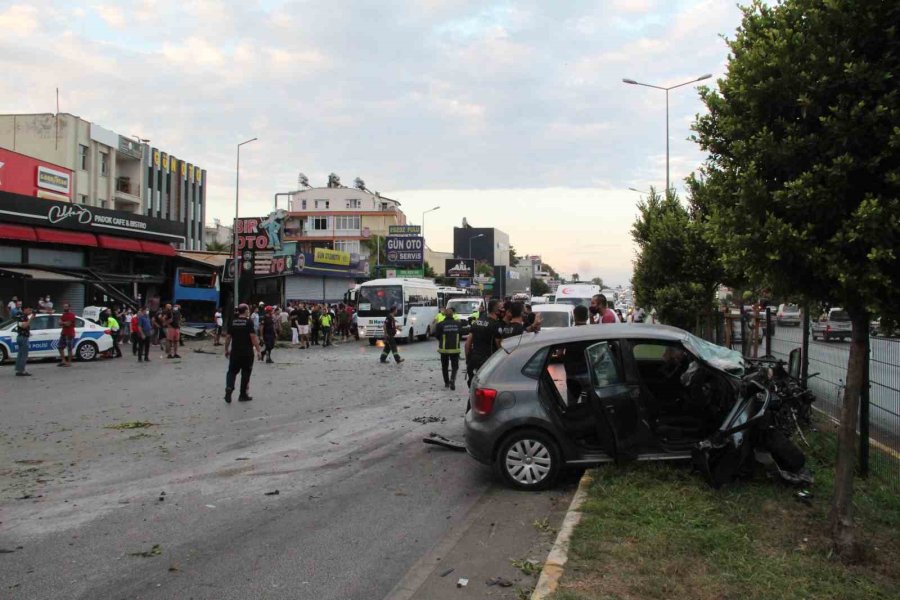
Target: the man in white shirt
pixel 219 324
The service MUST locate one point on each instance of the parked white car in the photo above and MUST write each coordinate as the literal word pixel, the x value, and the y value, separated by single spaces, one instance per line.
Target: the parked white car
pixel 90 339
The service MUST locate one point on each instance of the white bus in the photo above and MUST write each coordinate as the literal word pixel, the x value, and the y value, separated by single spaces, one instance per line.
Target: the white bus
pixel 445 294
pixel 416 301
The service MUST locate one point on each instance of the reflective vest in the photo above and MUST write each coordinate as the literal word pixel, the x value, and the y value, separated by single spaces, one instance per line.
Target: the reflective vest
pixel 325 321
pixel 440 317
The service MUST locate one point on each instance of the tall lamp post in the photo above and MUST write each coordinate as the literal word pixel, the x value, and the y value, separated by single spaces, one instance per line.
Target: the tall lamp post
pixel 666 90
pixel 423 235
pixel 237 197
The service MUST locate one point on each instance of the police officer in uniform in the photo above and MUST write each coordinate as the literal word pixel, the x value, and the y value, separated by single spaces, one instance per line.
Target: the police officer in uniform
pixel 390 342
pixel 449 333
pixel 483 339
pixel 240 343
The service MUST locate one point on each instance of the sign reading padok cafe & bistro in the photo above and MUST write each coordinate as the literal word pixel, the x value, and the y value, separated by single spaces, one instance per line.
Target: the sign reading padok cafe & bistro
pixel 16 208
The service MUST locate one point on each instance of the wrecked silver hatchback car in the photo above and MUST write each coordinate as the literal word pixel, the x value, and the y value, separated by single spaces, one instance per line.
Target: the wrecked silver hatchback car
pixel 583 396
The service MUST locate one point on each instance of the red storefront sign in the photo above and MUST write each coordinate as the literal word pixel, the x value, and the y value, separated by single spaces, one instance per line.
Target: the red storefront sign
pixel 29 176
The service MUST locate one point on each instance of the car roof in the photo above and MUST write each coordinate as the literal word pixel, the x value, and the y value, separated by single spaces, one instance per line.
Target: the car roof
pixel 646 331
pixel 563 308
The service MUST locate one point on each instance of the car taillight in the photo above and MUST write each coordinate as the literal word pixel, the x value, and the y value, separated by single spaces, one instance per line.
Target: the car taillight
pixel 484 401
pixel 828 329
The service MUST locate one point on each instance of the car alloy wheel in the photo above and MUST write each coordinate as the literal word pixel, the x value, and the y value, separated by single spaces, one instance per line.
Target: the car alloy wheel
pixel 529 460
pixel 87 351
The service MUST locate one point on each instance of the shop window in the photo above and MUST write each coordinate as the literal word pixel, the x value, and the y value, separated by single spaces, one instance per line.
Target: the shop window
pixel 56 257
pixel 10 254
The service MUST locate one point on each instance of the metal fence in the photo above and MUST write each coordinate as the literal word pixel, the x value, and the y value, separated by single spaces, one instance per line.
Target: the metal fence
pixel 824 372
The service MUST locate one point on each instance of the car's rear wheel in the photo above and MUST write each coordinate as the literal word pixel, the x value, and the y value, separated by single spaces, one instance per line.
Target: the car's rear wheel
pixel 372 341
pixel 87 351
pixel 528 460
pixel 411 337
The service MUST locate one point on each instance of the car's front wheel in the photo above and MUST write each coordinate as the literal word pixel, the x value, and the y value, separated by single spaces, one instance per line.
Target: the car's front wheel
pixel 88 351
pixel 4 355
pixel 528 460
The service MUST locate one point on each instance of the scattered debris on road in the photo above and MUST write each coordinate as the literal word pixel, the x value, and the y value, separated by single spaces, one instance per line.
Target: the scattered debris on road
pixel 436 439
pixel 499 581
pixel 447 572
pixel 273 493
pixel 426 420
pixel 529 567
pixel 156 550
pixel 463 582
pixel 131 425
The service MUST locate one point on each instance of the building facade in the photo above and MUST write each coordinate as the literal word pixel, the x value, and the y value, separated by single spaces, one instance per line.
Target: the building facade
pixel 107 170
pixel 340 218
pixel 488 245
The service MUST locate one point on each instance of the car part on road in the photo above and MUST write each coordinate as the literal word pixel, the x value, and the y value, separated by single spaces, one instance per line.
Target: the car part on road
pixel 438 440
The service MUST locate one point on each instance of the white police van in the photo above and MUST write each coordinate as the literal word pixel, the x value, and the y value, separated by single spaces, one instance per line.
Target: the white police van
pixel 90 339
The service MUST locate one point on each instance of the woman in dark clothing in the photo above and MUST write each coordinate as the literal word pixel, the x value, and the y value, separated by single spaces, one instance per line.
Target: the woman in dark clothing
pixel 268 334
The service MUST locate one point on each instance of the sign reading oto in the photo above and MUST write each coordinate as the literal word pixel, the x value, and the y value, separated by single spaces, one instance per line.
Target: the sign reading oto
pixel 405 250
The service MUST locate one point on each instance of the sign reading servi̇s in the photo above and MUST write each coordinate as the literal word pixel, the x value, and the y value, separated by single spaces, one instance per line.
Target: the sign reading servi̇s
pixel 402 250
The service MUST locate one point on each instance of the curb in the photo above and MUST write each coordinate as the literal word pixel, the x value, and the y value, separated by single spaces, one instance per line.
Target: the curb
pixel 559 553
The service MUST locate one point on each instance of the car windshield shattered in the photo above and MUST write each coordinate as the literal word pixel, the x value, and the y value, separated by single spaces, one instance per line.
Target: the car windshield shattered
pixel 716 356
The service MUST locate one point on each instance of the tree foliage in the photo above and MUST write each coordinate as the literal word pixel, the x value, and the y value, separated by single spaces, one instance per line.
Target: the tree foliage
pixel 513 259
pixel 597 281
pixel 539 287
pixel 676 270
pixel 215 246
pixel 800 188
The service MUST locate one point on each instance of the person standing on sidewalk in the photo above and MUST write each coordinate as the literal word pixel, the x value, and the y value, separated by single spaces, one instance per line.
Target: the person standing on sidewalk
pixel 240 342
pixel 144 335
pixel 326 321
pixel 173 333
pixel 134 330
pixel 66 337
pixel 267 327
pixel 314 323
pixel 390 342
pixel 303 316
pixel 23 334
pixel 449 334
pixel 220 322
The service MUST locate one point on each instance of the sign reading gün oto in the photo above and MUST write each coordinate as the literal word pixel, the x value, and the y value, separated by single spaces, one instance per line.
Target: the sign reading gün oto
pixel 405 250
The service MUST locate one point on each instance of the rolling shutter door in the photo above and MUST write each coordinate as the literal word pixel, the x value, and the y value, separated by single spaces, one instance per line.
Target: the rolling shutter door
pixel 299 287
pixel 73 295
pixel 336 287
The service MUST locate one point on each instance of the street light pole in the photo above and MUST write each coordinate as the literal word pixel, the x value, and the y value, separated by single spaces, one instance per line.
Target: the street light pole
pixel 423 235
pixel 666 90
pixel 237 196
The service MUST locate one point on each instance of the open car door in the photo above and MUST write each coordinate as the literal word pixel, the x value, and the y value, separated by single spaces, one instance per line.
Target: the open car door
pixel 614 401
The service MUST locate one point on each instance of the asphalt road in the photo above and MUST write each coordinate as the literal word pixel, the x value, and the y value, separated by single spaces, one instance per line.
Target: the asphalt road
pixel 360 500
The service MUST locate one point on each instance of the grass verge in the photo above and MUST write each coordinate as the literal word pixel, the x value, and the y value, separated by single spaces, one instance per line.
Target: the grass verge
pixel 658 531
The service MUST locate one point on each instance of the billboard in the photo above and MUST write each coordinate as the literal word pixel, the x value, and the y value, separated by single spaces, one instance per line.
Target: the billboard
pixel 459 267
pixel 405 250
pixel 20 174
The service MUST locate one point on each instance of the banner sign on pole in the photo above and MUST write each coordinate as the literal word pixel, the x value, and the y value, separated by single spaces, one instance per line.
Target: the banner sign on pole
pixel 459 267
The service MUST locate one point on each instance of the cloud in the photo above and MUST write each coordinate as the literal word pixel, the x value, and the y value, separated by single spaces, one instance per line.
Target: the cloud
pixel 19 20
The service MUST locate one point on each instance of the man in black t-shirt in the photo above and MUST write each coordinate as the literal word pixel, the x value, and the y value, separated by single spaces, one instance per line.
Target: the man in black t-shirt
pixel 240 343
pixel 303 317
pixel 390 342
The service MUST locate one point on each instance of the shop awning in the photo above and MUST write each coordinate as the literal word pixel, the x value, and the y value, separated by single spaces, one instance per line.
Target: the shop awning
pixel 157 248
pixel 17 232
pixel 38 274
pixel 118 243
pixel 60 236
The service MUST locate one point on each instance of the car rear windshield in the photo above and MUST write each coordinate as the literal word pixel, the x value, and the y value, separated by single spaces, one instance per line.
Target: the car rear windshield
pixel 839 315
pixel 791 308
pixel 554 319
pixel 488 367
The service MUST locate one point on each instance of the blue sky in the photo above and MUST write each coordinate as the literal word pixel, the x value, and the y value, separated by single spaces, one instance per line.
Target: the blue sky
pixel 512 114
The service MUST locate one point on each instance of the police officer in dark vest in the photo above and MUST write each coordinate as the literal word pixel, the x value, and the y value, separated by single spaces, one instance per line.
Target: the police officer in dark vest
pixel 449 335
pixel 240 343
pixel 390 341
pixel 483 339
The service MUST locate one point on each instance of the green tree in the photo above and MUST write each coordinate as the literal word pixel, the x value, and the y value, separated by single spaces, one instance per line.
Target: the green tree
pixel 575 277
pixel 802 184
pixel 375 245
pixel 676 270
pixel 215 246
pixel 513 260
pixel 485 269
pixel 429 272
pixel 598 282
pixel 539 287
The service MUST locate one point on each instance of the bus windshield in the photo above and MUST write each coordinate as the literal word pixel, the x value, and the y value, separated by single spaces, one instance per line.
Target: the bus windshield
pixel 464 307
pixel 376 300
